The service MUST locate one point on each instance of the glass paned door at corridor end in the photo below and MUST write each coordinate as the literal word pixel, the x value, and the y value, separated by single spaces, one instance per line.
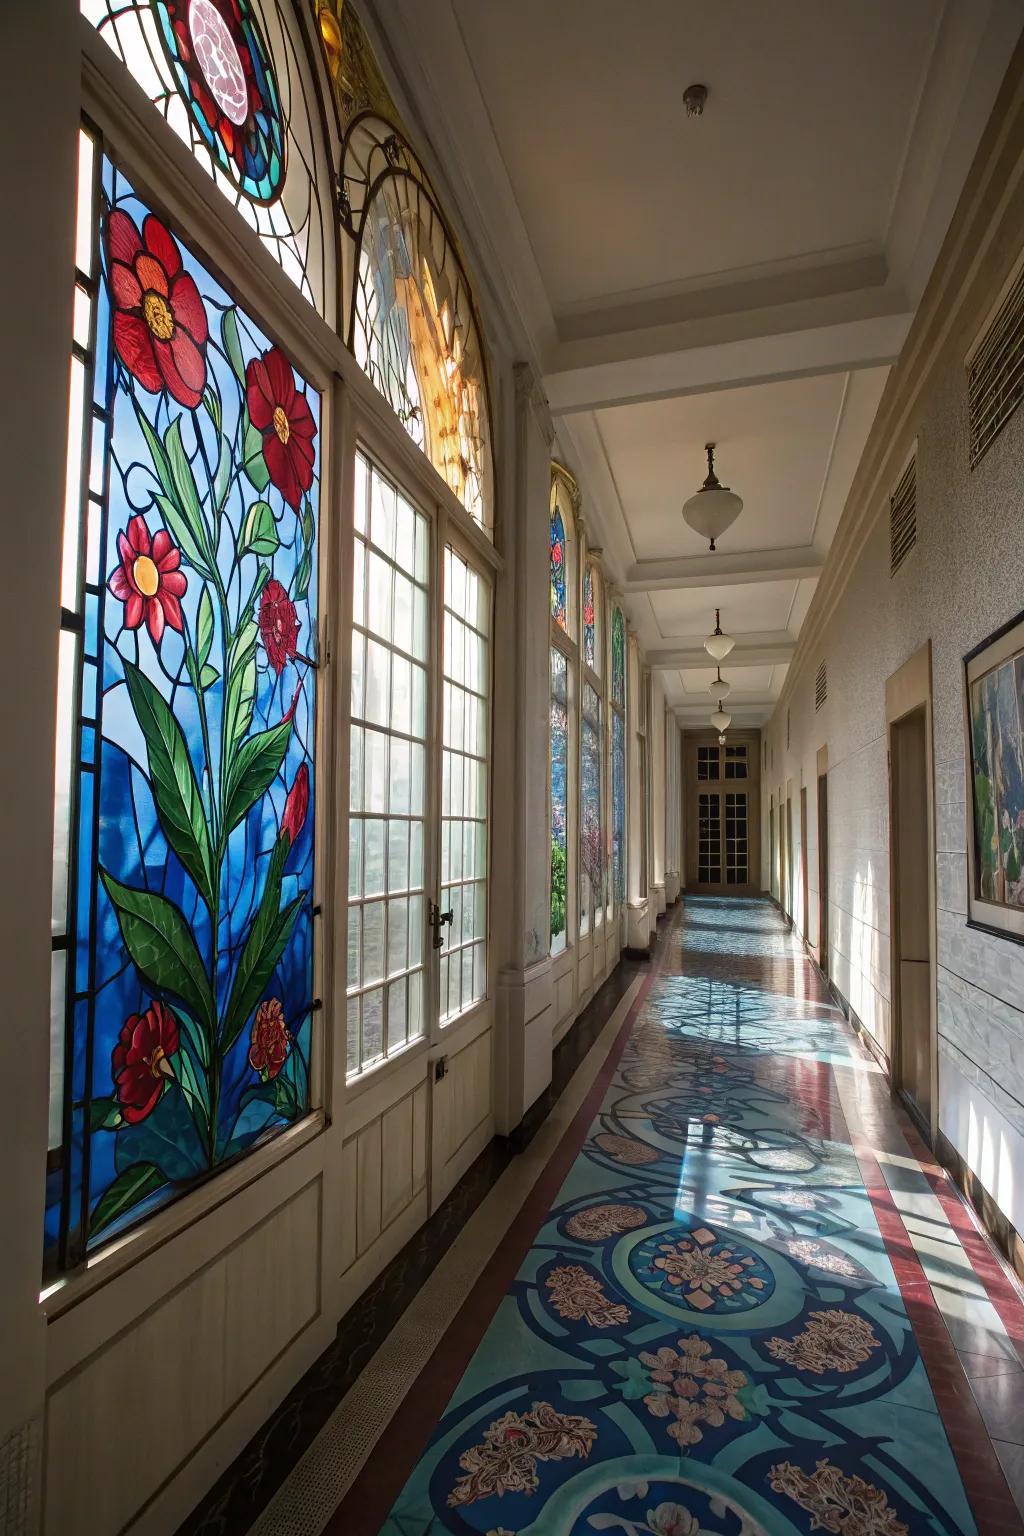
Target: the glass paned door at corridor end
pixel 418 776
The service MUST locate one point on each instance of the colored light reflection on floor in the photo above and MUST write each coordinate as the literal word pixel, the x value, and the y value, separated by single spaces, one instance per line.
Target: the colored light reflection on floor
pixel 711 1334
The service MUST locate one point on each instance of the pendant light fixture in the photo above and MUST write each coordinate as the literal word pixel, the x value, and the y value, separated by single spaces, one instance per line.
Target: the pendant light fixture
pixel 714 508
pixel 720 720
pixel 718 687
pixel 721 740
pixel 717 644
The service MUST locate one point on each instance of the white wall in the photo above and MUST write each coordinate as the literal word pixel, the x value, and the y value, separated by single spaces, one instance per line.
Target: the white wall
pixel 964 579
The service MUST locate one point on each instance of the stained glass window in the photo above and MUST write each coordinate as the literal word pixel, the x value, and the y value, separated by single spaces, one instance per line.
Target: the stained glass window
pixel 619 805
pixel 413 328
pixel 591 619
pixel 183 856
pixel 559 798
pixel 618 658
pixel 559 606
pixel 227 77
pixel 591 851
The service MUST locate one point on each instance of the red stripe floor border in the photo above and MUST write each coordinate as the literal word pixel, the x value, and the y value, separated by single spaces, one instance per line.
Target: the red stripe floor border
pixel 988 1494
pixel 369 1500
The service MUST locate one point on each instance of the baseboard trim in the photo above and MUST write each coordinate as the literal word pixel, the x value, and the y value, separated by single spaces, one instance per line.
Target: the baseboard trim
pixel 1002 1231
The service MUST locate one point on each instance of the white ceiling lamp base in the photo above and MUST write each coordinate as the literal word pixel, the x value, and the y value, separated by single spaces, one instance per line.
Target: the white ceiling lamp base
pixel 718 645
pixel 720 720
pixel 714 508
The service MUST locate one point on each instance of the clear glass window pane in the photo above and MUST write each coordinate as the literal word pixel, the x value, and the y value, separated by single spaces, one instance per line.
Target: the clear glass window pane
pixel 466 668
pixel 387 793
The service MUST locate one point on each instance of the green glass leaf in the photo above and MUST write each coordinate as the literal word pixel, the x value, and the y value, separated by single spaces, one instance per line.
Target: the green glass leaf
pixel 128 1189
pixel 307 523
pixel 241 687
pixel 302 575
pixel 182 534
pixel 104 1114
pixel 253 769
pixel 232 344
pixel 185 494
pixel 160 943
pixel 259 536
pixel 179 805
pixel 253 462
pixel 204 626
pixel 156 450
pixel 207 677
pixel 263 948
pixel 222 479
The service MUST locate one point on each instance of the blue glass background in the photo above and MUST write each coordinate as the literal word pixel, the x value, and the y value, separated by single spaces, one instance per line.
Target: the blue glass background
pixel 131 843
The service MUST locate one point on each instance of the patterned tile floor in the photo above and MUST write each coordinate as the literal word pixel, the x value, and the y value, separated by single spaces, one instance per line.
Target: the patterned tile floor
pixel 741 1300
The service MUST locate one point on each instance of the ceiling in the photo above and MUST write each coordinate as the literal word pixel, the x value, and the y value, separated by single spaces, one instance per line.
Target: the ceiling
pixel 745 277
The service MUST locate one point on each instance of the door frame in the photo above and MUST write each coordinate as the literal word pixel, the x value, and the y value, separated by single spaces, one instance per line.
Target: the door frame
pixel 821 947
pixel 907 690
pixel 751 786
pixel 804 882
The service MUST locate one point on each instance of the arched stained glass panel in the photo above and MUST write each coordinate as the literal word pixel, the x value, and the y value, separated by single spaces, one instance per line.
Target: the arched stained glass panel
pixel 413 327
pixel 618 657
pixel 591 620
pixel 559 607
pixel 226 75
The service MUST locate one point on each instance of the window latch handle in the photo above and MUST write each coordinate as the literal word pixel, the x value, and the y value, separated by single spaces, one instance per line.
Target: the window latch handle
pixel 437 921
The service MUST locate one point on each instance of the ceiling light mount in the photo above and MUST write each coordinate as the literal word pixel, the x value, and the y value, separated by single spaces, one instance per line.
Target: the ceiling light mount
pixel 694 99
pixel 718 644
pixel 715 507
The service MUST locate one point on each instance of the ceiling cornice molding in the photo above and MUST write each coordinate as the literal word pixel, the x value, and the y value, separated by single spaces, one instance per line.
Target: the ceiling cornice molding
pixel 695 659
pixel 735 570
pixel 971 267
pixel 777 354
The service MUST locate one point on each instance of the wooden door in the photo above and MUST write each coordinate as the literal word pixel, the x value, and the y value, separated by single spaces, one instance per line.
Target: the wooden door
pixel 722 813
pixel 803 861
pixel 912 926
pixel 823 872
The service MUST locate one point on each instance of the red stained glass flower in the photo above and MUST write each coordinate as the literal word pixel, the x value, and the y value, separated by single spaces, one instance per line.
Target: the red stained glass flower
pixel 148 580
pixel 160 327
pixel 268 1048
pixel 278 625
pixel 296 806
pixel 141 1060
pixel 281 412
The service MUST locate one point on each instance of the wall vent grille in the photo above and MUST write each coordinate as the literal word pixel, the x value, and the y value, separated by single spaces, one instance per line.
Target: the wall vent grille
pixel 903 516
pixel 995 370
pixel 820 687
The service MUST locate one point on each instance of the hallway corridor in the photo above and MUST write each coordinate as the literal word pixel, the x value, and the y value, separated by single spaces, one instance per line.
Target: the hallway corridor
pixel 718 1310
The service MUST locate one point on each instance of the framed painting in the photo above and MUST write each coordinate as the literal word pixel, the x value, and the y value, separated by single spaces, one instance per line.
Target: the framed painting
pixel 994 723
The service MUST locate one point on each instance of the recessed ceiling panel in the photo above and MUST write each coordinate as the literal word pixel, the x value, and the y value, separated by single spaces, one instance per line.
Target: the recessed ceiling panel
pixel 798 151
pixel 689 612
pixel 744 680
pixel 773 444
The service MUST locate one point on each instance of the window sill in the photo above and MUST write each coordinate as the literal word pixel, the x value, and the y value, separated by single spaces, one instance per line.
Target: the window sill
pixel 123 1253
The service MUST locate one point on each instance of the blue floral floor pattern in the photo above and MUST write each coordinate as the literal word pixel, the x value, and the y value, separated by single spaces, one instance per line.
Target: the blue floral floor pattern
pixel 707 1337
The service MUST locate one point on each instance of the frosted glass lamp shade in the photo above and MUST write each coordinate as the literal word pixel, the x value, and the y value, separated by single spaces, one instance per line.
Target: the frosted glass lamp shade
pixel 714 508
pixel 720 720
pixel 711 511
pixel 717 644
pixel 719 688
pixel 721 740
